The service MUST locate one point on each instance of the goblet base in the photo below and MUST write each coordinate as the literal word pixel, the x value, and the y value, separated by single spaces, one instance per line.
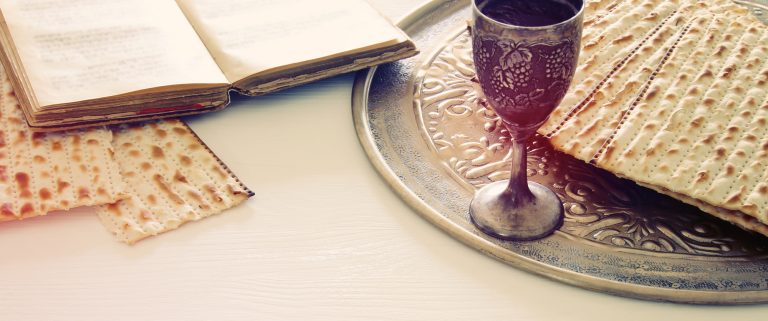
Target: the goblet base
pixel 495 214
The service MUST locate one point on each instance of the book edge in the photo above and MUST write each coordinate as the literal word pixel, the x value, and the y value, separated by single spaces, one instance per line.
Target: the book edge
pixel 303 73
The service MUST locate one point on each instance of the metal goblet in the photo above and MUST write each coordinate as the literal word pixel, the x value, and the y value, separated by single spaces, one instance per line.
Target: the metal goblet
pixel 524 72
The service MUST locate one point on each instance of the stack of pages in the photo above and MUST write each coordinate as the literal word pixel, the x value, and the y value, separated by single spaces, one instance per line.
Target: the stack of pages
pixel 673 94
pixel 89 62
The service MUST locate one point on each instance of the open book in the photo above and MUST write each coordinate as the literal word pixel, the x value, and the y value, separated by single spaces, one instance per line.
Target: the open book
pixel 87 62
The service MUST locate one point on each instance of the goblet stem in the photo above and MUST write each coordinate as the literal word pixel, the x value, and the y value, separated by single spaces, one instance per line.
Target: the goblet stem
pixel 517 210
pixel 518 192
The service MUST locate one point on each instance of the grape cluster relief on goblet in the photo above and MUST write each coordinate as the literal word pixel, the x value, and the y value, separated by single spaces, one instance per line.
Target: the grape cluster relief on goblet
pixel 511 80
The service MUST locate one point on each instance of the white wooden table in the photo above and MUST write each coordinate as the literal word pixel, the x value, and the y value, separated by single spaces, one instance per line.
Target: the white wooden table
pixel 323 239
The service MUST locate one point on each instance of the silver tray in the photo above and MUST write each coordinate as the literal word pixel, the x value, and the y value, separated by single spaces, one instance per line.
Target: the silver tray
pixel 420 127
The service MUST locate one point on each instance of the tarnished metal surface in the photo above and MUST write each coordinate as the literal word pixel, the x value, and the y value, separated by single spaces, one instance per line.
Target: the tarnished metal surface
pixel 424 129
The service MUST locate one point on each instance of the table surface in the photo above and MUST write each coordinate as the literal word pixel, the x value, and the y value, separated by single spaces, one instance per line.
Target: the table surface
pixel 323 239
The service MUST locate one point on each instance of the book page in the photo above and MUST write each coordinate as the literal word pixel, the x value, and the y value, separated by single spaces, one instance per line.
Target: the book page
pixel 78 50
pixel 247 37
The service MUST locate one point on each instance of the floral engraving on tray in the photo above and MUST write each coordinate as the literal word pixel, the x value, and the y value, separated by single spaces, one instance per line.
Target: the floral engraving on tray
pixel 471 141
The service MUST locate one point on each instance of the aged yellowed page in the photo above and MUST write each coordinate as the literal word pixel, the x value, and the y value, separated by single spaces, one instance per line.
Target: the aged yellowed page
pixel 87 49
pixel 248 37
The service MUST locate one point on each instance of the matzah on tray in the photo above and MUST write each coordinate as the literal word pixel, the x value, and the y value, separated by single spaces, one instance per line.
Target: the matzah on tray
pixel 674 95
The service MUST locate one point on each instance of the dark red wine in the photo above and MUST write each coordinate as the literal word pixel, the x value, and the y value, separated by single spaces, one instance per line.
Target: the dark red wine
pixel 529 13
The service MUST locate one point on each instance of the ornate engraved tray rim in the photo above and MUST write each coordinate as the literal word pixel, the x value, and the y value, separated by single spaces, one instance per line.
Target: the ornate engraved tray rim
pixel 426 25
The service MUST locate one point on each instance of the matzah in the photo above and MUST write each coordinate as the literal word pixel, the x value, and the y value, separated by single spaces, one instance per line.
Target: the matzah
pixel 625 28
pixel 688 119
pixel 600 112
pixel 40 173
pixel 172 177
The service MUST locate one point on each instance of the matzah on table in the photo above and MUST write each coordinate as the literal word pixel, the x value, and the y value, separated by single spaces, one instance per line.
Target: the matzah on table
pixel 143 179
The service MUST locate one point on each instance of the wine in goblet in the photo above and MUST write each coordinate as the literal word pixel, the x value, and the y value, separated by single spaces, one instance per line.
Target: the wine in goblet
pixel 525 53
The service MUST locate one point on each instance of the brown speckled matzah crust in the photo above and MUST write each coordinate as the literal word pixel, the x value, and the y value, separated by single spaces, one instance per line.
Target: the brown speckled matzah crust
pixel 40 173
pixel 688 118
pixel 173 178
